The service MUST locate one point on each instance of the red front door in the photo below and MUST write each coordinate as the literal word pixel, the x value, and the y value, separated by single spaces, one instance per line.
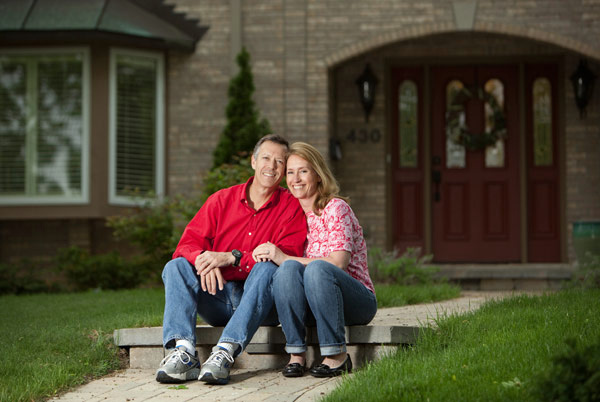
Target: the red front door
pixel 476 192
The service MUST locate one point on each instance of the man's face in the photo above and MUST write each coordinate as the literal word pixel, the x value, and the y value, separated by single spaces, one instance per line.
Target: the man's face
pixel 269 164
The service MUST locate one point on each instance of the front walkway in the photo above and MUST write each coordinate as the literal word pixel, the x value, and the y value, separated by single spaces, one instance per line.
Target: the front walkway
pixel 260 385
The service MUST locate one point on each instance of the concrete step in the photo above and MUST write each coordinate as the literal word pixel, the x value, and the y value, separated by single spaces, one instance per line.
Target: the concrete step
pixel 390 329
pixel 266 351
pixel 495 277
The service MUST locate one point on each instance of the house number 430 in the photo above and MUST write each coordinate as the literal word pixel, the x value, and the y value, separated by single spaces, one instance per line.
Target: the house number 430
pixel 363 135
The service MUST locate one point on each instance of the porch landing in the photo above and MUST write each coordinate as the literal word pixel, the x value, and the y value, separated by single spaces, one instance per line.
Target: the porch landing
pixel 506 277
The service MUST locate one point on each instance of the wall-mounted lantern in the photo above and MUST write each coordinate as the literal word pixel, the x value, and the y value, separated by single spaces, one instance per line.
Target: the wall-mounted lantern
pixel 583 85
pixel 366 90
pixel 335 149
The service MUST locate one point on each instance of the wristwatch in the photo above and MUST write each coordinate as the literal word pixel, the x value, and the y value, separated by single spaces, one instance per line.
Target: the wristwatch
pixel 238 256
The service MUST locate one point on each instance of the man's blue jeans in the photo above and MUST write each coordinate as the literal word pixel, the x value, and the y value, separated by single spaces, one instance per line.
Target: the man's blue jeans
pixel 242 306
pixel 335 298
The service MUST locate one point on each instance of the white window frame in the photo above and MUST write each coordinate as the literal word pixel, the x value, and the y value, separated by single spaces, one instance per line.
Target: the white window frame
pixel 113 197
pixel 84 198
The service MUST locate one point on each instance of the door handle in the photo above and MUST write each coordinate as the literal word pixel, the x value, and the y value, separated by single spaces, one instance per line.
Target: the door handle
pixel 436 178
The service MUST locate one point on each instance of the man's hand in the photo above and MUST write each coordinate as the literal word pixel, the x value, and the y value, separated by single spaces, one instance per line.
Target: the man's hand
pixel 269 252
pixel 211 280
pixel 209 260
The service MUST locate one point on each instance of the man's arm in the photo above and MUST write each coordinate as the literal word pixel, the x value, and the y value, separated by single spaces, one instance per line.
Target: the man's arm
pixel 199 233
pixel 292 234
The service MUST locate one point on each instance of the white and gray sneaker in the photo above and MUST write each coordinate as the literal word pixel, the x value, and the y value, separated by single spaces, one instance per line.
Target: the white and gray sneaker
pixel 215 369
pixel 178 366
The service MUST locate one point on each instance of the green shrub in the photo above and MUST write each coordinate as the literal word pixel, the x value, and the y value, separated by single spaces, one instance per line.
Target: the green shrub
pixel 408 269
pixel 23 277
pixel 574 375
pixel 228 174
pixel 588 273
pixel 155 228
pixel 105 271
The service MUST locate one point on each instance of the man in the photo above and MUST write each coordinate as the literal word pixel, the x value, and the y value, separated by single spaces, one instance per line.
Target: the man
pixel 213 274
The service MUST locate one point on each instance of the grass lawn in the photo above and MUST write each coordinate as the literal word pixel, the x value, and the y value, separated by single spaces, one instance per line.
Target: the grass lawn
pixel 52 342
pixel 497 353
pixel 401 295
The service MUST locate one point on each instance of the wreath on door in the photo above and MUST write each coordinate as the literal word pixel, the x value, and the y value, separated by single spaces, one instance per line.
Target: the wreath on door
pixel 460 134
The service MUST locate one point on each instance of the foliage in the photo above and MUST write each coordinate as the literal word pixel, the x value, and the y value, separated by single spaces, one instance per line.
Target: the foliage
pixel 22 277
pixel 105 271
pixel 51 342
pixel 574 374
pixel 408 269
pixel 243 128
pixel 155 227
pixel 588 273
pixel 496 353
pixel 227 175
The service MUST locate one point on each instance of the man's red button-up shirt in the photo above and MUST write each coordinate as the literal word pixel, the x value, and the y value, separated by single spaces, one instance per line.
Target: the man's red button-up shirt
pixel 226 222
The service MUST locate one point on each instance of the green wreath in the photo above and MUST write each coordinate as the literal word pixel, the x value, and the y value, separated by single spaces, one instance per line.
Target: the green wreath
pixel 460 134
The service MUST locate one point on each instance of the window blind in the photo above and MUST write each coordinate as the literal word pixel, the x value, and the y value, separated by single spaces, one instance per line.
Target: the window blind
pixel 136 124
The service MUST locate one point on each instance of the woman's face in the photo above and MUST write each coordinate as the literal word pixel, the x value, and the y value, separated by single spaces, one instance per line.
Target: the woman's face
pixel 301 178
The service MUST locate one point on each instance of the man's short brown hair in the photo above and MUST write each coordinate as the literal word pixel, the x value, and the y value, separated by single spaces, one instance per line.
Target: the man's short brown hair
pixel 276 138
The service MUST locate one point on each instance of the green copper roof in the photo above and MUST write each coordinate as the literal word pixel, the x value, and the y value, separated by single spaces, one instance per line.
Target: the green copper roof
pixel 150 19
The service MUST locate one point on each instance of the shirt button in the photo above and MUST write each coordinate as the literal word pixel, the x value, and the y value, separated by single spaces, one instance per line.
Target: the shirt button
pixel 249 233
pixel 247 267
pixel 240 270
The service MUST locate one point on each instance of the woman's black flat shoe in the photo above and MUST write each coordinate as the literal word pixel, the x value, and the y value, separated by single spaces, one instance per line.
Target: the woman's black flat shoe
pixel 293 370
pixel 323 370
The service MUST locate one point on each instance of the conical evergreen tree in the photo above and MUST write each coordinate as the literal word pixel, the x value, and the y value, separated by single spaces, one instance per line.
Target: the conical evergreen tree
pixel 243 128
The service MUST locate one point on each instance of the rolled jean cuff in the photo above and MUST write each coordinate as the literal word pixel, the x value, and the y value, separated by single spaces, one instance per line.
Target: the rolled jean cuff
pixel 240 348
pixel 296 349
pixel 331 350
pixel 169 343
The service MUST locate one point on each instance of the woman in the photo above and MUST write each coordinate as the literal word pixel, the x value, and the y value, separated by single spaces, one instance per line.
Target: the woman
pixel 331 280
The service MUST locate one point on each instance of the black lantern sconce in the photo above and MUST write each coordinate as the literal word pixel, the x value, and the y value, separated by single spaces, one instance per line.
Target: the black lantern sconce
pixel 583 85
pixel 366 90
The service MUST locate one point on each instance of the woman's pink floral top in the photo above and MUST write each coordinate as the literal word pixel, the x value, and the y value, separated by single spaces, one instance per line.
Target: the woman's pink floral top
pixel 337 229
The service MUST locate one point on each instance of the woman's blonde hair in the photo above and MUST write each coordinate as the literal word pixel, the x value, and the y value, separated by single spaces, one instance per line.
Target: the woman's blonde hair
pixel 328 187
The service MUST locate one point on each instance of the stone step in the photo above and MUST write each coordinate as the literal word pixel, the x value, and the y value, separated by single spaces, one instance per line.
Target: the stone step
pixel 266 351
pixel 390 329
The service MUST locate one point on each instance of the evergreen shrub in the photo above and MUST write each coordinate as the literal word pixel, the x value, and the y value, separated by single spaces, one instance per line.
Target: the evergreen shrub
pixel 574 375
pixel 244 127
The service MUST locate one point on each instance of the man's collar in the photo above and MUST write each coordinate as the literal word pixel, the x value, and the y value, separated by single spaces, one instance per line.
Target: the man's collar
pixel 246 189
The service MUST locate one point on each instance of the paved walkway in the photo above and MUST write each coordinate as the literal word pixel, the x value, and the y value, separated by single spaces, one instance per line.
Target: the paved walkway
pixel 262 385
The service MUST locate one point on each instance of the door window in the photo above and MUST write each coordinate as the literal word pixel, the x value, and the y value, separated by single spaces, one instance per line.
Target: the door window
pixel 494 154
pixel 408 124
pixel 542 122
pixel 455 153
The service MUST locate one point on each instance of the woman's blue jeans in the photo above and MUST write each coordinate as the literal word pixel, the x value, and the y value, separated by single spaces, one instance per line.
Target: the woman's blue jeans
pixel 334 297
pixel 242 306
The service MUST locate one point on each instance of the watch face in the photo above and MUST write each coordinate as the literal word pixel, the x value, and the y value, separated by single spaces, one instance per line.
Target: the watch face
pixel 236 253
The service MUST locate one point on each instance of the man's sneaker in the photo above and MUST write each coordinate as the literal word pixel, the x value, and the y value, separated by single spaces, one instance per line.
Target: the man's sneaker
pixel 215 369
pixel 178 366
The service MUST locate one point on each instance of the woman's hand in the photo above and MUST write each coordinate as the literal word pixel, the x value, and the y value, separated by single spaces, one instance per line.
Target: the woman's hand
pixel 269 252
